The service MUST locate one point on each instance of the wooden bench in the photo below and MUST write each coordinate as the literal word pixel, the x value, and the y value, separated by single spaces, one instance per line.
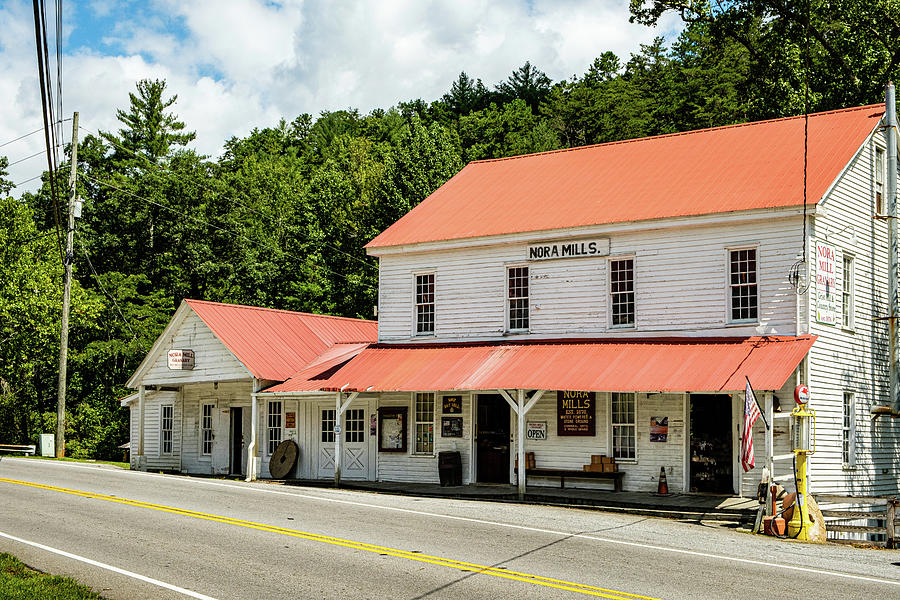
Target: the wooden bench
pixel 27 450
pixel 574 474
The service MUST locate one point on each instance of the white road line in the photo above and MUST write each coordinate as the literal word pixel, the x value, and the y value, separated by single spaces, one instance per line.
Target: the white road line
pixel 94 563
pixel 747 561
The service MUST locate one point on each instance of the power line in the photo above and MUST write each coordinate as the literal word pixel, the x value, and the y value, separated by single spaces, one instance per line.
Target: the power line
pixel 110 296
pixel 26 158
pixel 318 243
pixel 253 241
pixel 29 180
pixel 22 137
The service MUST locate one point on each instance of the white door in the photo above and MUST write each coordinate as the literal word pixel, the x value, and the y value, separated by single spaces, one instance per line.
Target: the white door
pixel 221 437
pixel 355 445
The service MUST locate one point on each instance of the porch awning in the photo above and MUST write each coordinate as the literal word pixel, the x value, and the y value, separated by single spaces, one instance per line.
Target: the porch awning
pixel 639 365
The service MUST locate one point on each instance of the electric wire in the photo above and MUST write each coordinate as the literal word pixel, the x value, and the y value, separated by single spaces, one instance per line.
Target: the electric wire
pixel 21 160
pixel 318 243
pixel 134 336
pixel 28 180
pixel 22 137
pixel 254 241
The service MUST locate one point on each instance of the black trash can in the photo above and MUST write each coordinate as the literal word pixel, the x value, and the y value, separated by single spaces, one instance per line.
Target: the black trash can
pixel 450 468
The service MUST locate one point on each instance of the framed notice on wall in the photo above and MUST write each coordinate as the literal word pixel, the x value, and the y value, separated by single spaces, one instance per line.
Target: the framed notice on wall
pixel 451 426
pixel 392 429
pixel 575 412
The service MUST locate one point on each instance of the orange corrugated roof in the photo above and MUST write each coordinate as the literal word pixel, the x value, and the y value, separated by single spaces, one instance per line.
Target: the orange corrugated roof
pixel 648 365
pixel 725 169
pixel 275 344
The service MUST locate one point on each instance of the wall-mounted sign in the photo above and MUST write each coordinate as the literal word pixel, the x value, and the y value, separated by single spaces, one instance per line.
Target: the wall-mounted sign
pixel 574 249
pixel 451 426
pixel 536 430
pixel 181 360
pixel 575 413
pixel 290 420
pixel 829 286
pixel 452 405
pixel 659 429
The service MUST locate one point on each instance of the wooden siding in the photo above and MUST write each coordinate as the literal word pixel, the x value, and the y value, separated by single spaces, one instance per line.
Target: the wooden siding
pixel 154 458
pixel 214 362
pixel 680 282
pixel 854 361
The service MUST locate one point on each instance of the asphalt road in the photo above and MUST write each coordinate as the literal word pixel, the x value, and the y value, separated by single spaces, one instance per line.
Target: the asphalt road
pixel 142 535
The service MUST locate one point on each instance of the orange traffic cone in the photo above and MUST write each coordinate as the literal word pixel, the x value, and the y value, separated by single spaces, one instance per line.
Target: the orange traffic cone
pixel 663 488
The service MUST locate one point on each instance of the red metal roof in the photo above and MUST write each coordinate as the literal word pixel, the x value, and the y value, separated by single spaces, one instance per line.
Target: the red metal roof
pixel 275 344
pixel 648 365
pixel 734 168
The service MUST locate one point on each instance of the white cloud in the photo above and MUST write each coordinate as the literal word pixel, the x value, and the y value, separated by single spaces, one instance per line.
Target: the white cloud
pixel 236 65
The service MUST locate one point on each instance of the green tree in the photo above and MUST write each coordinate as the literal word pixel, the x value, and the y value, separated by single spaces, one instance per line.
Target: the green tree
pixel 466 95
pixel 526 83
pixel 149 131
pixel 5 184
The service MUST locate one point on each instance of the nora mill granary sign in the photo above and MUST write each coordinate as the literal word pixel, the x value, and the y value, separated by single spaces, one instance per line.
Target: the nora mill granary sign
pixel 569 249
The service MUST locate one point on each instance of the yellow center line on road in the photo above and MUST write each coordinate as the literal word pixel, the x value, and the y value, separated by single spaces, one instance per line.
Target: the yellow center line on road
pixel 382 550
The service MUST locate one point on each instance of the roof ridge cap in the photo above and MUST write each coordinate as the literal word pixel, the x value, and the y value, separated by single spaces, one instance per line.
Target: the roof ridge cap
pixel 675 134
pixel 278 310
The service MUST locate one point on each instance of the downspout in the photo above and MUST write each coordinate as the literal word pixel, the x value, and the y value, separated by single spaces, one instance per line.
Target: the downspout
pixel 890 117
pixel 252 450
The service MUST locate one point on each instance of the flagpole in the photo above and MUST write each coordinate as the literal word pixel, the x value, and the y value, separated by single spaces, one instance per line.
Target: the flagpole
pixel 753 393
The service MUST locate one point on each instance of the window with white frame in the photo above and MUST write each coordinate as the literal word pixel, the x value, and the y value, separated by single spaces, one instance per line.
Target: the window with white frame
pixel 517 298
pixel 621 292
pixel 424 412
pixel 847 294
pixel 274 425
pixel 425 304
pixel 206 429
pixel 328 425
pixel 166 422
pixel 743 291
pixel 623 425
pixel 879 181
pixel 848 431
pixel 354 425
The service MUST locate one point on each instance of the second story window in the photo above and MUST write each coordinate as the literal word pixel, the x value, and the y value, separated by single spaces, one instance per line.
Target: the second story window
pixel 743 293
pixel 517 298
pixel 847 294
pixel 621 292
pixel 425 304
pixel 879 181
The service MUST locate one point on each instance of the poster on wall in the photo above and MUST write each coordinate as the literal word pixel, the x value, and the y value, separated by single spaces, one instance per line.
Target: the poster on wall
pixel 575 412
pixel 451 427
pixel 659 429
pixel 829 285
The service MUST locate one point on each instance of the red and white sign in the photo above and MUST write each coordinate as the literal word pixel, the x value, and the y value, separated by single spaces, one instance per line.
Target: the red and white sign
pixel 181 360
pixel 801 394
pixel 829 285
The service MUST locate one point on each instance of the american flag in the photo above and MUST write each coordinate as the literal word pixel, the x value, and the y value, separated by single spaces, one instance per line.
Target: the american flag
pixel 751 414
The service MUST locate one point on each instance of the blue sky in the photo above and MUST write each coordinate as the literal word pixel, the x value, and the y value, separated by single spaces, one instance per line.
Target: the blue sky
pixel 240 64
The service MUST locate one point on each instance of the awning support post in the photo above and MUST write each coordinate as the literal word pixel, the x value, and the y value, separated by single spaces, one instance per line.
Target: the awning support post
pixel 340 407
pixel 142 390
pixel 253 448
pixel 520 421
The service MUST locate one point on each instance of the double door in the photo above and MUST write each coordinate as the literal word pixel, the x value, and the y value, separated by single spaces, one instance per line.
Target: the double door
pixel 355 459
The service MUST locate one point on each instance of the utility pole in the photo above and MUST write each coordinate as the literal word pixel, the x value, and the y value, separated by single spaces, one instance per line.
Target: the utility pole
pixel 67 283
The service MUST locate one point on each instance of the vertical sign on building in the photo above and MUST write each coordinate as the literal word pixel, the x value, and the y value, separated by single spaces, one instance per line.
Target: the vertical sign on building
pixel 829 288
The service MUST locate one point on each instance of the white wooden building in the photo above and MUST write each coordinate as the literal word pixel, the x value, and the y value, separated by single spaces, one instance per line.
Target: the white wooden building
pixel 617 297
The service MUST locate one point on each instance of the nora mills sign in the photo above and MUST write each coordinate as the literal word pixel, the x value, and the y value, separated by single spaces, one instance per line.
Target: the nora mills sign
pixel 569 249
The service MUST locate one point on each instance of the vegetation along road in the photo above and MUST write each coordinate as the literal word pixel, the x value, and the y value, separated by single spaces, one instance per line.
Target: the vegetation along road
pixel 140 535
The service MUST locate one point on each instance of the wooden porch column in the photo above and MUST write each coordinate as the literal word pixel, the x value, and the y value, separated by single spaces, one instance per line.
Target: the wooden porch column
pixel 339 410
pixel 140 449
pixel 520 421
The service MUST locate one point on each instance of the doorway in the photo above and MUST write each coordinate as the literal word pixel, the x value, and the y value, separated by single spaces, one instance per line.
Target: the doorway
pixel 236 437
pixel 712 461
pixel 492 439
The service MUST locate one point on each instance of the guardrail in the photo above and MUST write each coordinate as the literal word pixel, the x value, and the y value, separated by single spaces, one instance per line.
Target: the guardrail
pixel 25 449
pixel 841 523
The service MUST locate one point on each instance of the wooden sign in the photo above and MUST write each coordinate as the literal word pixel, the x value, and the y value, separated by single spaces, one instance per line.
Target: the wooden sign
pixel 452 405
pixel 569 249
pixel 180 360
pixel 290 420
pixel 575 413
pixel 451 426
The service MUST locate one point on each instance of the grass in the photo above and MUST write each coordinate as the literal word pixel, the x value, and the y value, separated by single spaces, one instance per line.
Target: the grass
pixel 18 582
pixel 123 465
